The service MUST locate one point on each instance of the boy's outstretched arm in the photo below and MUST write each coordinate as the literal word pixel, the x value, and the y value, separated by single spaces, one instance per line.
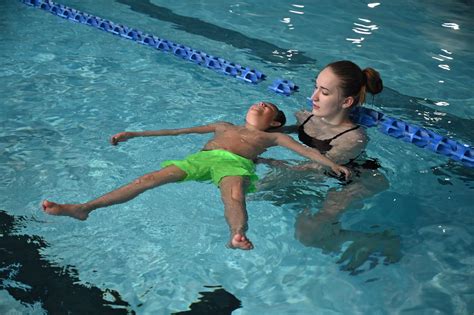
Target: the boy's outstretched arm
pixel 125 135
pixel 313 154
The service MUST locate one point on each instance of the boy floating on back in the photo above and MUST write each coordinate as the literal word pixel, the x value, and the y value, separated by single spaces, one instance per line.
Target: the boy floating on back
pixel 227 160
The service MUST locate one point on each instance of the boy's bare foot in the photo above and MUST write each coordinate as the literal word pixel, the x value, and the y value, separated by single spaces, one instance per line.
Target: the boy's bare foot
pixel 241 242
pixel 74 211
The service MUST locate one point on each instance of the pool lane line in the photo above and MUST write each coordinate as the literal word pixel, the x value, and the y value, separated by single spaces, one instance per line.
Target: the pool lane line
pixel 393 127
pixel 417 135
pixel 264 50
pixel 218 64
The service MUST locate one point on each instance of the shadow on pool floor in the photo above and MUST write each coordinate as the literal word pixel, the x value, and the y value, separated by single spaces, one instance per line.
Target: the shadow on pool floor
pixel 58 290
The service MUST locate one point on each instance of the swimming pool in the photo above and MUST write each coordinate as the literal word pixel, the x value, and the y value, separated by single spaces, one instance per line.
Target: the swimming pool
pixel 67 87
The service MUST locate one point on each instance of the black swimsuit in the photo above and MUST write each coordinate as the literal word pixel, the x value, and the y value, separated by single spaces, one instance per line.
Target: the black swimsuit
pixel 322 145
pixel 325 145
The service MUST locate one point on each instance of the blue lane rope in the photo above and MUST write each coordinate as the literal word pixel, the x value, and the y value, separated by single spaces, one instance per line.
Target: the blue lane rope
pixel 399 129
pixel 201 58
pixel 417 135
pixel 284 87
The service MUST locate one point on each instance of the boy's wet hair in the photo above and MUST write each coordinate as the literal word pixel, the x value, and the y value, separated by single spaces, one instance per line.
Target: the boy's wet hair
pixel 279 117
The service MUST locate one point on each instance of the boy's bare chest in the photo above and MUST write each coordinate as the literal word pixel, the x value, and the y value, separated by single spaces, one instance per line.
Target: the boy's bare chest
pixel 243 135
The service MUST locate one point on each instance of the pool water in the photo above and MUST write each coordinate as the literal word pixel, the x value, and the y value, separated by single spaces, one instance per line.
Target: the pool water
pixel 66 88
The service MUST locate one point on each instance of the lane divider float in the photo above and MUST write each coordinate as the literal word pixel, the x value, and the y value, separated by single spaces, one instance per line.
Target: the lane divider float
pixel 419 136
pixel 246 74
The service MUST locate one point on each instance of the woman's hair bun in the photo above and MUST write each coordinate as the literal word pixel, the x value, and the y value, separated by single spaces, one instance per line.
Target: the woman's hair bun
pixel 374 84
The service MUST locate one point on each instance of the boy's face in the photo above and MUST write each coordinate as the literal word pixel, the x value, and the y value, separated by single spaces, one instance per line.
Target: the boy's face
pixel 262 114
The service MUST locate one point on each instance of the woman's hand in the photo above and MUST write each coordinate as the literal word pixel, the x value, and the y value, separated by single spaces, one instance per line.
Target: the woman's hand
pixel 121 137
pixel 341 170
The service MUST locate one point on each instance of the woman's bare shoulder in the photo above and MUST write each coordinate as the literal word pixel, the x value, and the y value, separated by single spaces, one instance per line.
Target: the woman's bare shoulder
pixel 350 144
pixel 356 137
pixel 301 116
pixel 346 149
pixel 359 133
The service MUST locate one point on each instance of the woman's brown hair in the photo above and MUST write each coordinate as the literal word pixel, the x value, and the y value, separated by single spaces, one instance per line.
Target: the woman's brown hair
pixel 356 82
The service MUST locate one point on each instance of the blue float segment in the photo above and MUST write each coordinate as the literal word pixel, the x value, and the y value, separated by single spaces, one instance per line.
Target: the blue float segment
pixel 428 139
pixel 135 35
pixel 179 50
pixel 284 87
pixel 408 133
pixel 62 11
pixel 451 148
pixel 249 75
pixel 106 25
pixel 80 17
pixel 365 116
pixel 45 6
pixel 230 69
pixel 212 62
pixel 393 127
pixel 195 56
pixel 163 45
pixel 150 40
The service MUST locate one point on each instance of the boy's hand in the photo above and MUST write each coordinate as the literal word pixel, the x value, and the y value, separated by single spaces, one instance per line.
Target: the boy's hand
pixel 120 137
pixel 339 169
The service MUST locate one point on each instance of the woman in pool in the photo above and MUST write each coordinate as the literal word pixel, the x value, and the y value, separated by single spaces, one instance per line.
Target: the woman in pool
pixel 340 86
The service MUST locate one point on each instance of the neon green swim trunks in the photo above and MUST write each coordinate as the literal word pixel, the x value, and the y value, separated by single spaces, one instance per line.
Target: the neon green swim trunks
pixel 214 165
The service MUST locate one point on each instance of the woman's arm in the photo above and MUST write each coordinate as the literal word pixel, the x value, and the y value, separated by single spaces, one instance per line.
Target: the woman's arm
pixel 124 136
pixel 313 154
pixel 285 129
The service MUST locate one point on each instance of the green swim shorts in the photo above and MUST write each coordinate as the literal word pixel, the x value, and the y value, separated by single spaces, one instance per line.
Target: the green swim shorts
pixel 214 165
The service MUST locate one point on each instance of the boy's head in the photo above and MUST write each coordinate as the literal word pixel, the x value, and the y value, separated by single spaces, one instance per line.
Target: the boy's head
pixel 265 116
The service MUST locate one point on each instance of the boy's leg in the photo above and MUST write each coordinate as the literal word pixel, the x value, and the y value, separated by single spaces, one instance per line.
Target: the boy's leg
pixel 125 193
pixel 233 196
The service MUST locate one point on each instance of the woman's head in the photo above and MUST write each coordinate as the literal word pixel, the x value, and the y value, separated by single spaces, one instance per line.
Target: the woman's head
pixel 341 85
pixel 354 82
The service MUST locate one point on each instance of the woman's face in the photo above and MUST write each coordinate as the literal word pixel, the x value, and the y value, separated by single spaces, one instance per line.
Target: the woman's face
pixel 327 99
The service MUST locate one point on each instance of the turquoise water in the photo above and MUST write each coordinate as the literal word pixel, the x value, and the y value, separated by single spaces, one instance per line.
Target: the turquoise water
pixel 67 87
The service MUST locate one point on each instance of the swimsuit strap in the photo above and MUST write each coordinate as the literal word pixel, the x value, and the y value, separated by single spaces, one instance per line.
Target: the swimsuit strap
pixel 345 131
pixel 336 136
pixel 307 119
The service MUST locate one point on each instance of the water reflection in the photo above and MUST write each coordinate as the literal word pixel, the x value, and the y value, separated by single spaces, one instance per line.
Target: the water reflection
pixel 257 47
pixel 444 58
pixel 454 26
pixel 373 5
pixel 287 20
pixel 363 29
